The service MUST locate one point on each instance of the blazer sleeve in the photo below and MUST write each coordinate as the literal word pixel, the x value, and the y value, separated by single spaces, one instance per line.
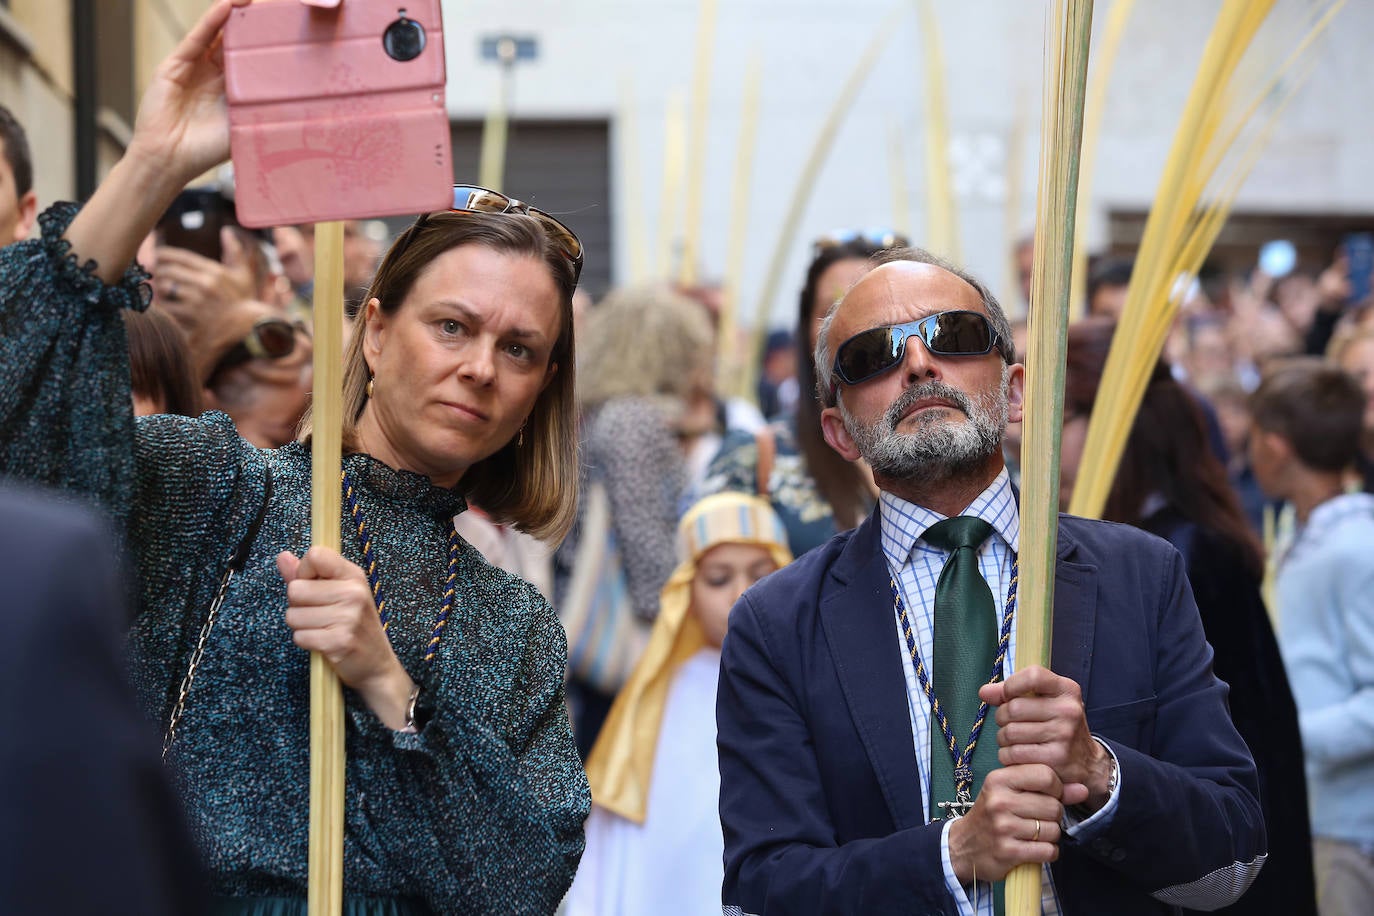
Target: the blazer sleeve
pixel 782 854
pixel 1188 827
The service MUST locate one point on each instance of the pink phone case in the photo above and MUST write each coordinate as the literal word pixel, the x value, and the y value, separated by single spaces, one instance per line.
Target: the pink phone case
pixel 324 123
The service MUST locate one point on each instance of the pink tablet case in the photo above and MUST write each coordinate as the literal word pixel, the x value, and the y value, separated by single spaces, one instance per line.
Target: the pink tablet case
pixel 324 125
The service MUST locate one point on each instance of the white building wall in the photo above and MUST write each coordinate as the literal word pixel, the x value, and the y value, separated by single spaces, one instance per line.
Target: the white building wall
pixel 593 53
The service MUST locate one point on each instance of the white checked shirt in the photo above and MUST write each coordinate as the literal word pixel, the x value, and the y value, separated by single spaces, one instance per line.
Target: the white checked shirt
pixel 917 567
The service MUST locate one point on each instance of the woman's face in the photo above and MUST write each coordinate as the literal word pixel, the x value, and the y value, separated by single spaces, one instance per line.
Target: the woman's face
pixel 723 573
pixel 1358 360
pixel 458 367
pixel 833 283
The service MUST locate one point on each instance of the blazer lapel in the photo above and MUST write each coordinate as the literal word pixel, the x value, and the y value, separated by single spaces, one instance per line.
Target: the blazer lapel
pixel 857 617
pixel 1075 613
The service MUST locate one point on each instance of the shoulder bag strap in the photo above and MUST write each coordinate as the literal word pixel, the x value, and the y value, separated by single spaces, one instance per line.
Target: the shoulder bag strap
pixel 236 563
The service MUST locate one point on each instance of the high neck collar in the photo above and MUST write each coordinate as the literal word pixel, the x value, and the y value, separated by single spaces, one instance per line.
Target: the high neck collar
pixel 404 488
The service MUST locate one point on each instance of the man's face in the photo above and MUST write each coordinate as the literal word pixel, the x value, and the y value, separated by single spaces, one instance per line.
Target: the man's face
pixel 17 211
pixel 1268 454
pixel 931 416
pixel 360 255
pixel 1108 300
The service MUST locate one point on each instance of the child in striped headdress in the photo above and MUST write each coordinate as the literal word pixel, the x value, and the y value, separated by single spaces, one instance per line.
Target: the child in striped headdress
pixel 654 839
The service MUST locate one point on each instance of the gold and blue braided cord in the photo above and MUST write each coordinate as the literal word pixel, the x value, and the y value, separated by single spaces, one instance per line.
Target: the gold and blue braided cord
pixel 963 759
pixel 364 538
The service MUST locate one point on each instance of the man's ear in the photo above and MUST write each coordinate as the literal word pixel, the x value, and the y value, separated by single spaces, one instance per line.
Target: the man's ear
pixel 1277 445
pixel 837 435
pixel 1016 393
pixel 28 212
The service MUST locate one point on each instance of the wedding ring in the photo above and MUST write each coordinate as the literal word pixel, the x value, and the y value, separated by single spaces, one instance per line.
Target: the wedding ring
pixel 1037 831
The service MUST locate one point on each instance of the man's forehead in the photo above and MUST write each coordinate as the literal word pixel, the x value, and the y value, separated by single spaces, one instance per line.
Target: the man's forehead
pixel 903 291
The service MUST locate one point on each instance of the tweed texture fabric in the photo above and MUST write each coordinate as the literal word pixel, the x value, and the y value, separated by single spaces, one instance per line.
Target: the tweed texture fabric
pixel 480 812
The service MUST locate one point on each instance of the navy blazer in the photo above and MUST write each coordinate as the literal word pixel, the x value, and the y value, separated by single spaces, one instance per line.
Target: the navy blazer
pixel 820 798
pixel 89 822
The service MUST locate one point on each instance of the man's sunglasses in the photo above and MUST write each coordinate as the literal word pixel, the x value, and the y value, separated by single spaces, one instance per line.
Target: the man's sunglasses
pixel 472 199
pixel 871 353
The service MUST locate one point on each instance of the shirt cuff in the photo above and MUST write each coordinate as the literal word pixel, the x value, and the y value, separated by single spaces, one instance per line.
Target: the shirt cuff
pixel 956 890
pixel 1102 818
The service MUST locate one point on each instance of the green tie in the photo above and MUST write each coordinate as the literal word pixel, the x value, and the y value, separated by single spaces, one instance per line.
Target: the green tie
pixel 964 647
pixel 963 650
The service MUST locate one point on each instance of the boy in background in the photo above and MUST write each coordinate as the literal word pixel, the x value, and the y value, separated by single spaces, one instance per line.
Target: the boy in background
pixel 1307 420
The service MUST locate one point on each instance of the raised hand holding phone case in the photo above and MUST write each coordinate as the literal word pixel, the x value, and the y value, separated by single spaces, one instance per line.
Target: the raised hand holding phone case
pixel 337 113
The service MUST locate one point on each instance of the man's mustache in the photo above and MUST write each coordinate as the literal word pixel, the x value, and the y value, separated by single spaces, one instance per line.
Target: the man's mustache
pixel 932 389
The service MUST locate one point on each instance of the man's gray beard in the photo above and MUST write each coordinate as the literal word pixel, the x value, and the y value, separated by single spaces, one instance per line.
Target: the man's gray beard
pixel 941 447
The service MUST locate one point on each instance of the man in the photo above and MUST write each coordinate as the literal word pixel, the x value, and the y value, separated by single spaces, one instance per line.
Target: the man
pixel 1307 421
pixel 18 202
pixel 1120 767
pixel 1108 282
pixel 88 823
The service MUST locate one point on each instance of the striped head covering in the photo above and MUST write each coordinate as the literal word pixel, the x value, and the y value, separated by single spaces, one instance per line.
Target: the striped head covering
pixel 620 766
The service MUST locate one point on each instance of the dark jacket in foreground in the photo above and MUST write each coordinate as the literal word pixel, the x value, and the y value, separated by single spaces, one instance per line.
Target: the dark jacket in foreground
pixel 89 823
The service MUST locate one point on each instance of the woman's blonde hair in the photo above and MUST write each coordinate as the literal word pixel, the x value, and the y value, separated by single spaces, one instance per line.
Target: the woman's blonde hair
pixel 532 486
pixel 644 340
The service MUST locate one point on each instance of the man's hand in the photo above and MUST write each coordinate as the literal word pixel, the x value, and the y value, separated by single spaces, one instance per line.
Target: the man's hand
pixel 1014 821
pixel 1041 720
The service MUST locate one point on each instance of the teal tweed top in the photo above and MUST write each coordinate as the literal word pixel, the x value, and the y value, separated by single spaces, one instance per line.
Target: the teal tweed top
pixel 480 812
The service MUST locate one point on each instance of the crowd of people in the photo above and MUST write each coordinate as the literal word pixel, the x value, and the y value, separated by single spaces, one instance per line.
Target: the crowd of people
pixel 617 642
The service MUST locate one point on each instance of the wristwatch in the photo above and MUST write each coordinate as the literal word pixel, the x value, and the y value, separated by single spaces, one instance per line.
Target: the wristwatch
pixel 417 716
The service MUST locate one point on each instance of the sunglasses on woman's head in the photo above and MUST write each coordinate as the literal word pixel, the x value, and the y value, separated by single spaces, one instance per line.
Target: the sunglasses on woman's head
pixel 472 199
pixel 871 353
pixel 878 239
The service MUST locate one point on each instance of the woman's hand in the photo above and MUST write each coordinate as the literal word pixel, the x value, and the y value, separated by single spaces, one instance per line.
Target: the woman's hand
pixel 182 129
pixel 183 122
pixel 330 610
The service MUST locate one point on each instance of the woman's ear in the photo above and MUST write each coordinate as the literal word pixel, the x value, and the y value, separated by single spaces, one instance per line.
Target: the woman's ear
pixel 373 324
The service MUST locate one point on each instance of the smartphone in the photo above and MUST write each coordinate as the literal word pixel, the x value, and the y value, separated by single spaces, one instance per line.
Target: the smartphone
pixel 194 220
pixel 1359 252
pixel 337 113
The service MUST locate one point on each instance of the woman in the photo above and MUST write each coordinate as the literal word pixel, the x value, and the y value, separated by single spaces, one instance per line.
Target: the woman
pixel 813 489
pixel 464 793
pixel 1171 483
pixel 646 359
pixel 160 366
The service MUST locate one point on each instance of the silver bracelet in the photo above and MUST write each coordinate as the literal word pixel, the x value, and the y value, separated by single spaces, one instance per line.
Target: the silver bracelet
pixel 410 728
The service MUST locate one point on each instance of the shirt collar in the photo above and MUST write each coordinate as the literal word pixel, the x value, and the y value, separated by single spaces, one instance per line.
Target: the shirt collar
pixel 1331 513
pixel 901 523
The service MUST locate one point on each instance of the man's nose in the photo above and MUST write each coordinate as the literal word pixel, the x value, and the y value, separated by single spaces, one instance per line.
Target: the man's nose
pixel 917 362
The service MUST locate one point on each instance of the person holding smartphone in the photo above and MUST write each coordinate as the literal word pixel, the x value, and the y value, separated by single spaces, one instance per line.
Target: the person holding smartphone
pixel 464 791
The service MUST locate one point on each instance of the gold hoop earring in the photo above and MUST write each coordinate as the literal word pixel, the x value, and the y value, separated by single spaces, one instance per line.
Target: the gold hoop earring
pixel 370 380
pixel 520 437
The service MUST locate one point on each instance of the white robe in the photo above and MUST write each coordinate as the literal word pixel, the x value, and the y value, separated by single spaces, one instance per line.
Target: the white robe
pixel 671 865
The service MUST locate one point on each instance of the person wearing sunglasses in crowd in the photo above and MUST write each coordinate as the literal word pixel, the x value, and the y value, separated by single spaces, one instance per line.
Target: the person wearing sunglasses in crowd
pixel 464 790
pixel 882 748
pixel 813 490
pixel 259 372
